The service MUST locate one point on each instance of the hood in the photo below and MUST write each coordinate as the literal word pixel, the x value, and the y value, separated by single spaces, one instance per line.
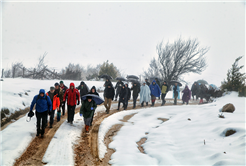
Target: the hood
pixel 186 87
pixel 126 84
pixel 82 83
pixel 42 91
pixel 72 84
pixel 94 88
pixel 154 82
pixel 144 83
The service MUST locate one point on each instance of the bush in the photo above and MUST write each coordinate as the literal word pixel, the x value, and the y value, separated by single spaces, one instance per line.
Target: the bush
pixel 242 91
pixel 2 115
pixel 5 111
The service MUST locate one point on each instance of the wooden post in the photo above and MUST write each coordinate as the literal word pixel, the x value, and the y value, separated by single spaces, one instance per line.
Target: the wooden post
pixel 34 71
pixel 23 70
pixel 2 73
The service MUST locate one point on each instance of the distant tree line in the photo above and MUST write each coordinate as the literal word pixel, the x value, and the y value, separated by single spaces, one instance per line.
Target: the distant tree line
pixel 70 72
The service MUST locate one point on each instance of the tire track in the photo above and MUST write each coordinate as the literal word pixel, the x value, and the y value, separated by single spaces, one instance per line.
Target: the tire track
pixel 34 153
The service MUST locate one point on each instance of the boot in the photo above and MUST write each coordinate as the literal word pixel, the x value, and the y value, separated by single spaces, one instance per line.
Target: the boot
pixel 200 101
pixel 147 103
pixel 142 104
pixel 38 132
pixel 87 128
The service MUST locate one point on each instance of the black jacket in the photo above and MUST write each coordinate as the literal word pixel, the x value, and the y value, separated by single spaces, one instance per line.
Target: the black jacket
pixel 136 90
pixel 123 94
pixel 109 93
pixel 83 91
pixel 119 85
pixel 147 83
pixel 194 89
pixel 95 93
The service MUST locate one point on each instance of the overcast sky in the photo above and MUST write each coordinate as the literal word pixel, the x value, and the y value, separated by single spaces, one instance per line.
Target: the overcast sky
pixel 125 33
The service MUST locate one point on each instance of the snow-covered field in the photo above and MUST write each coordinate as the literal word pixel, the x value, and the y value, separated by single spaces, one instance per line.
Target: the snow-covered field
pixel 13 90
pixel 179 141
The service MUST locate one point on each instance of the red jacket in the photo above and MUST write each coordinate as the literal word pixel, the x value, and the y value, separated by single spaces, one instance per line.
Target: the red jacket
pixel 72 95
pixel 56 101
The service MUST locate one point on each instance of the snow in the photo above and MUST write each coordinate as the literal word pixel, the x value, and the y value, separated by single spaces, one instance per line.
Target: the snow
pixel 15 138
pixel 60 149
pixel 11 88
pixel 105 127
pixel 179 141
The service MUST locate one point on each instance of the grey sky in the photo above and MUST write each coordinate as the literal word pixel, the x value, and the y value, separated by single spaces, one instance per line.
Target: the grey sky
pixel 125 33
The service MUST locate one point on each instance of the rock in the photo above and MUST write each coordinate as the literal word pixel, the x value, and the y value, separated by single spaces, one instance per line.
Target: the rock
pixel 228 108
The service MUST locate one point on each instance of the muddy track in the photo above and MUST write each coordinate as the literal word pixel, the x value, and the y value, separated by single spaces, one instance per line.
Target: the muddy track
pixel 86 151
pixel 34 153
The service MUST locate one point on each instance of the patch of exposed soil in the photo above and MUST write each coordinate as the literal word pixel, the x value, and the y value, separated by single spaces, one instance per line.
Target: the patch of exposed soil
pixel 86 151
pixel 34 153
pixel 140 143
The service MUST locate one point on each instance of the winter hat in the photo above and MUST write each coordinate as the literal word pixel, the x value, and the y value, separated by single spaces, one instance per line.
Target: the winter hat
pixel 52 88
pixel 82 83
pixel 56 84
pixel 61 82
pixel 89 97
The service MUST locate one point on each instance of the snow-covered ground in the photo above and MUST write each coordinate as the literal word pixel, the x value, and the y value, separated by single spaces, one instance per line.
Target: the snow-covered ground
pixel 15 139
pixel 13 90
pixel 180 141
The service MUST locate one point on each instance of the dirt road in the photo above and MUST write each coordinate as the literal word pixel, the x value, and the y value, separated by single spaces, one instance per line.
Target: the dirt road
pixel 86 151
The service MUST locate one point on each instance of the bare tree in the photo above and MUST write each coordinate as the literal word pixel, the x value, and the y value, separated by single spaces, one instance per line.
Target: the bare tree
pixel 178 58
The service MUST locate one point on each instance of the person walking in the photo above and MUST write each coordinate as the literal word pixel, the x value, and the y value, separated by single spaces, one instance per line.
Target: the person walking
pixel 43 106
pixel 83 89
pixel 136 90
pixel 194 90
pixel 59 93
pixel 164 90
pixel 86 110
pixel 64 88
pixel 122 97
pixel 55 104
pixel 71 95
pixel 144 94
pixel 147 82
pixel 186 95
pixel 109 96
pixel 128 94
pixel 118 88
pixel 176 91
pixel 93 91
pixel 155 92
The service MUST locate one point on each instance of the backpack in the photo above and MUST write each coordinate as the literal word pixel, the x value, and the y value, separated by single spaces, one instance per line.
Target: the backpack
pixel 39 97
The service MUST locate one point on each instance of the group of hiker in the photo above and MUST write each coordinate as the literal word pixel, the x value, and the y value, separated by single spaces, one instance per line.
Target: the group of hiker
pixel 59 94
pixel 55 99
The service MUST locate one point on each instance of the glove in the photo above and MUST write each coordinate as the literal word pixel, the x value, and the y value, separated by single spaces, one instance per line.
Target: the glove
pixel 49 112
pixel 30 114
pixel 92 108
pixel 78 102
pixel 81 114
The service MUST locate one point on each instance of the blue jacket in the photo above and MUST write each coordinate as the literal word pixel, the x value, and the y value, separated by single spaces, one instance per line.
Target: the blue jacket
pixel 155 89
pixel 42 104
pixel 178 90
